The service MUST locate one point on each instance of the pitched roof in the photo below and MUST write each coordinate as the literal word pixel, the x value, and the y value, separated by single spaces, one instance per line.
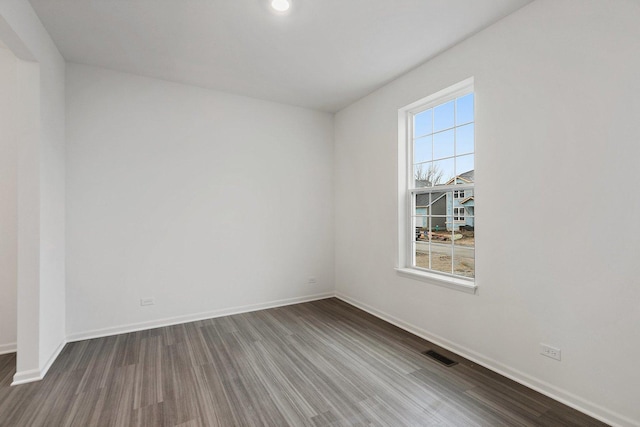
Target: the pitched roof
pixel 466 199
pixel 468 177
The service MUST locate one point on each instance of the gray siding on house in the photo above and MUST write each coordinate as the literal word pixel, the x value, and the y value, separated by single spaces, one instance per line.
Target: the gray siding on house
pixel 438 207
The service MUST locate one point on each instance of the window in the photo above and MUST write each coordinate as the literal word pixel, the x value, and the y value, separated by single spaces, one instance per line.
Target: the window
pixel 458 214
pixel 436 200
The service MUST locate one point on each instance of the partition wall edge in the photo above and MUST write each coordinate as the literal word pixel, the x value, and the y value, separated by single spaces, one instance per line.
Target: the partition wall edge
pixel 40 126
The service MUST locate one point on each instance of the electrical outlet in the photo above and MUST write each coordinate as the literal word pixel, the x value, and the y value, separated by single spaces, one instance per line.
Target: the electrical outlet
pixel 312 280
pixel 147 301
pixel 552 352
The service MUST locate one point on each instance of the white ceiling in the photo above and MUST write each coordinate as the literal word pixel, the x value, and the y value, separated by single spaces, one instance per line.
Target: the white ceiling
pixel 324 54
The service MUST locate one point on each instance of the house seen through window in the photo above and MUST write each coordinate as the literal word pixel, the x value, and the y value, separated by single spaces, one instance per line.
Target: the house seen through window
pixel 441 150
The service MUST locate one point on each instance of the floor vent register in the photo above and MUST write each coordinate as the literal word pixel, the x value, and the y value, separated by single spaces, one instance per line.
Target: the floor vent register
pixel 440 358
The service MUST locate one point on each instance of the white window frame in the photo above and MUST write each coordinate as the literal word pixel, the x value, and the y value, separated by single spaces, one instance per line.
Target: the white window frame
pixel 458 194
pixel 458 214
pixel 405 265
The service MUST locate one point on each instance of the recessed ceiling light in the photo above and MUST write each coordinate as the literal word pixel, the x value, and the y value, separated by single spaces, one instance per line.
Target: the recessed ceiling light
pixel 281 5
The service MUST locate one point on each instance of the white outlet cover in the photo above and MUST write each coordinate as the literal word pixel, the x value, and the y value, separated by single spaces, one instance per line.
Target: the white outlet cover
pixel 551 352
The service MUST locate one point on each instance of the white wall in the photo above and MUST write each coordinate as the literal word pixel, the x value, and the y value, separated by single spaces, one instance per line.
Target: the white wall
pixel 41 188
pixel 557 239
pixel 202 200
pixel 8 203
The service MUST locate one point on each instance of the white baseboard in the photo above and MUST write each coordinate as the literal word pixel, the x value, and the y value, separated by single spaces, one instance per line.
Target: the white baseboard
pixel 133 327
pixel 8 348
pixel 592 409
pixel 26 377
pixel 37 374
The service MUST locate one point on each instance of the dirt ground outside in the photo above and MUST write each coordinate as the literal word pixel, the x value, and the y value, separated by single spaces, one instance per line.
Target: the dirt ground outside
pixel 463 261
pixel 463 266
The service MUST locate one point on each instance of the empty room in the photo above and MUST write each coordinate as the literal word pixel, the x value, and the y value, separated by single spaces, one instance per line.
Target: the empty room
pixel 262 213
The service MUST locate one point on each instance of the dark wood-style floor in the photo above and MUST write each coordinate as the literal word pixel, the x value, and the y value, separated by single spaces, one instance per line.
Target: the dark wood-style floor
pixel 323 363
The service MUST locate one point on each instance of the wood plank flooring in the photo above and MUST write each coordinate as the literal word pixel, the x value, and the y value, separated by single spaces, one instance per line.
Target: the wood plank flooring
pixel 323 363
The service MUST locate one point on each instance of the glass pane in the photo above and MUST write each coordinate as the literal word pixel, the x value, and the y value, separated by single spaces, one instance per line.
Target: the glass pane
pixel 464 261
pixel 421 224
pixel 439 203
pixel 443 116
pixel 443 143
pixel 422 255
pixel 422 149
pixel 464 164
pixel 465 232
pixel 442 172
pixel 438 227
pixel 439 233
pixel 440 252
pixel 422 174
pixel 464 139
pixel 420 221
pixel 423 123
pixel 464 109
pixel 422 204
pixel 414 239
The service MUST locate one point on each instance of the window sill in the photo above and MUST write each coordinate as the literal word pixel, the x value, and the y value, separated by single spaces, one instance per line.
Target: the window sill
pixel 435 279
